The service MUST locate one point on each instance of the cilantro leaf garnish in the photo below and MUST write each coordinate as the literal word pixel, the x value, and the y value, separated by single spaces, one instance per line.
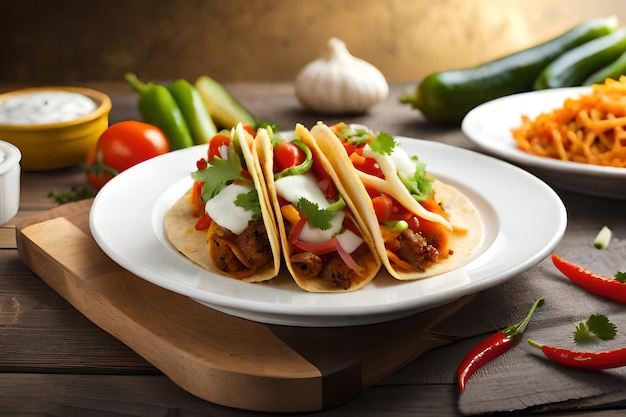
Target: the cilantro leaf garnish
pixel 316 217
pixel 597 325
pixel 218 174
pixel 383 144
pixel 250 202
pixel 620 276
pixel 419 185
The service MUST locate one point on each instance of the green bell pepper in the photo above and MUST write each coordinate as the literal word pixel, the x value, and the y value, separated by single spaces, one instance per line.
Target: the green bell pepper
pixel 158 107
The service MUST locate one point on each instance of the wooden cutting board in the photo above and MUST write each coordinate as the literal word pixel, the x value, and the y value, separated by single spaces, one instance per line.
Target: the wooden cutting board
pixel 217 357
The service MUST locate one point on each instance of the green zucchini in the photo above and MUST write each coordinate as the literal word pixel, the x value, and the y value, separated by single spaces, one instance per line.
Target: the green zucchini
pixel 225 109
pixel 573 67
pixel 614 70
pixel 446 97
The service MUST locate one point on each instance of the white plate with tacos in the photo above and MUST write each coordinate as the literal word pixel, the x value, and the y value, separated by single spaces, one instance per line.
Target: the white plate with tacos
pixel 127 222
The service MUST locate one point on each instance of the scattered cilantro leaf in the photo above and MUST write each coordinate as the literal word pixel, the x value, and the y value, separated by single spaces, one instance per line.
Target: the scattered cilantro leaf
pixel 218 174
pixel 620 276
pixel 383 144
pixel 250 202
pixel 316 217
pixel 419 185
pixel 75 194
pixel 597 325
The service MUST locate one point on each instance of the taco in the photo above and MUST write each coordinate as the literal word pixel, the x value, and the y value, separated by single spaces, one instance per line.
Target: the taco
pixel 224 222
pixel 326 247
pixel 421 227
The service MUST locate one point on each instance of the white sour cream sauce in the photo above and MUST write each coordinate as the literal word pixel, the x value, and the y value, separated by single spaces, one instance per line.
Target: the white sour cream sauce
pixel 223 210
pixel 292 188
pixel 45 107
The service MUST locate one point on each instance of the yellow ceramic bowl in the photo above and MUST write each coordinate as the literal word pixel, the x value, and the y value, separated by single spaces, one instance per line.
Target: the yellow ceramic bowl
pixel 46 146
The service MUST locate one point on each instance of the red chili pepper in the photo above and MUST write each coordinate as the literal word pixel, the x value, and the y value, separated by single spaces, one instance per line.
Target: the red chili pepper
pixel 492 347
pixel 598 284
pixel 606 359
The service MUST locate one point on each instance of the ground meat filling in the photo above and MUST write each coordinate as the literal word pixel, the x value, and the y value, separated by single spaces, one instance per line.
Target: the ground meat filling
pixel 330 269
pixel 248 251
pixel 308 264
pixel 254 244
pixel 416 250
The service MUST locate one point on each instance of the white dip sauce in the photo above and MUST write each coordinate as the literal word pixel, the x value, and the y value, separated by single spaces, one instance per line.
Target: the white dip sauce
pixel 2 157
pixel 45 107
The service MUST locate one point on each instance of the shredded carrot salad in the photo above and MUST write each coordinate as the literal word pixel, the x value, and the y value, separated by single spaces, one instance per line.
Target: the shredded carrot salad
pixel 588 129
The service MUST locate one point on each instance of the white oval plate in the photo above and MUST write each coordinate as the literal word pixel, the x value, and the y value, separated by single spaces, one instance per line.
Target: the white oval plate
pixel 126 221
pixel 489 127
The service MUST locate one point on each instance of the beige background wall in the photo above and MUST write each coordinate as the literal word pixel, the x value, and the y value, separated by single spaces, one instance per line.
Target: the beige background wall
pixel 75 41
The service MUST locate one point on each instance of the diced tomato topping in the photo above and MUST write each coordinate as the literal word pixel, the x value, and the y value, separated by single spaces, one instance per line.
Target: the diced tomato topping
pixel 203 222
pixel 196 198
pixel 387 208
pixel 368 166
pixel 201 164
pixel 246 174
pixel 414 223
pixel 325 182
pixel 371 167
pixel 434 232
pixel 350 148
pixel 382 207
pixel 372 192
pixel 282 201
pixel 349 224
pixel 250 130
pixel 287 155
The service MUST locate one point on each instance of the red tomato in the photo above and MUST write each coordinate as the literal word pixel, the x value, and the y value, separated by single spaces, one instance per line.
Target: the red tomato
pixel 217 141
pixel 288 155
pixel 324 180
pixel 250 130
pixel 382 207
pixel 203 222
pixel 369 166
pixel 350 148
pixel 414 223
pixel 121 146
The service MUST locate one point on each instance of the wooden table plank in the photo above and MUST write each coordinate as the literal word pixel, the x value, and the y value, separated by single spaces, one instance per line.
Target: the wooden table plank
pixel 40 330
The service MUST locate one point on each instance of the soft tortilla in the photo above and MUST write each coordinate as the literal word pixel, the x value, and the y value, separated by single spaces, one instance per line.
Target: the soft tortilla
pixel 371 264
pixel 180 223
pixel 462 212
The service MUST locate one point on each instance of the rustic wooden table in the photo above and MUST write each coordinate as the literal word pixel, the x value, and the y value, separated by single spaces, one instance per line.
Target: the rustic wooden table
pixel 55 362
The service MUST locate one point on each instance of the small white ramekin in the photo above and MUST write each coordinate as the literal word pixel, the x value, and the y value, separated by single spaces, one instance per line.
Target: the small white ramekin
pixel 9 181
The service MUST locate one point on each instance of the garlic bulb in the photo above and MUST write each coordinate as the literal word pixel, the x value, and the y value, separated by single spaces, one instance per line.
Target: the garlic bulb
pixel 340 83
